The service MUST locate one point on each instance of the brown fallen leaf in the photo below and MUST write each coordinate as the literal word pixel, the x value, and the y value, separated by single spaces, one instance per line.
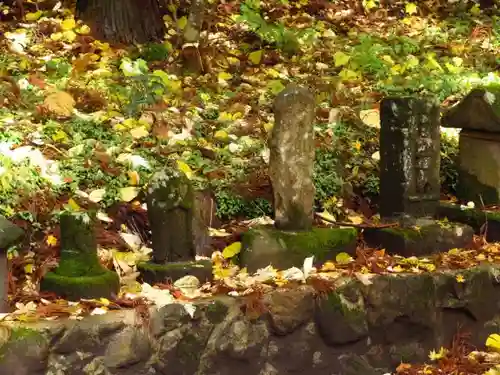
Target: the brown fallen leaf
pixel 59 103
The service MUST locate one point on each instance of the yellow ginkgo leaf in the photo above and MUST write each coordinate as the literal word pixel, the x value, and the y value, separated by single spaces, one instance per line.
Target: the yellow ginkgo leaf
pixel 221 135
pixel 255 57
pixel 33 16
pixel 493 342
pixel 69 35
pixel 68 24
pixel 224 76
pixel 51 240
pixel 410 8
pixel 182 22
pixel 97 195
pixel 185 168
pixel 73 205
pixel 83 30
pixel 133 177
pixel 231 250
pixel 340 58
pixel 28 268
pixel 343 258
pixel 139 132
pixel 128 193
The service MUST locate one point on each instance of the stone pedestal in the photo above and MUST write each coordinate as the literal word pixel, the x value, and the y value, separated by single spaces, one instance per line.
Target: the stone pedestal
pixel 425 237
pixel 266 246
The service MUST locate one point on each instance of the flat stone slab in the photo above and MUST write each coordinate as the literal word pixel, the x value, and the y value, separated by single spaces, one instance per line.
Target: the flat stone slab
pixel 425 238
pixel 473 217
pixel 159 273
pixel 285 249
pixel 479 110
pixel 354 329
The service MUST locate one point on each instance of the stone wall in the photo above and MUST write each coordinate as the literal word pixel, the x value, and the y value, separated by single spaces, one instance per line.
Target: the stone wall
pixel 355 329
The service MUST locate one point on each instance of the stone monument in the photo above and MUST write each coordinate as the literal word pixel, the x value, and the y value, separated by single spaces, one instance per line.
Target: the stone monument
pixel 171 203
pixel 291 162
pixel 79 273
pixel 409 181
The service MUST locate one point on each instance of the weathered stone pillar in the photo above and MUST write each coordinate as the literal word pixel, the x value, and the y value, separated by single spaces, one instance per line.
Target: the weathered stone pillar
pixel 291 159
pixel 79 273
pixel 409 157
pixel 291 162
pixel 171 204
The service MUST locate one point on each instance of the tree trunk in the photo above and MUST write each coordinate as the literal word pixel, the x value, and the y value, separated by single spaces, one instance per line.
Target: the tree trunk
pixel 122 21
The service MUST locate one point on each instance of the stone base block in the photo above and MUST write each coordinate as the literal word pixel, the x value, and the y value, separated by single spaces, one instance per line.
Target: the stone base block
pixel 283 249
pixel 474 217
pixel 101 285
pixel 426 237
pixel 159 273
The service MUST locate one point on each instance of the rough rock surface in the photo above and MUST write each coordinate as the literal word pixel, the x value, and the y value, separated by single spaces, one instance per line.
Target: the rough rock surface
pixel 291 158
pixel 354 329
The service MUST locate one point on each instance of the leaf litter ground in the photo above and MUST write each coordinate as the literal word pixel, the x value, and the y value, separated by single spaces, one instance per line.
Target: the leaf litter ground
pixel 85 120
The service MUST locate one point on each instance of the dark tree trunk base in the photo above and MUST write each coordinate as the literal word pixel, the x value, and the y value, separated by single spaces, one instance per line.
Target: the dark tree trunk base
pixel 122 21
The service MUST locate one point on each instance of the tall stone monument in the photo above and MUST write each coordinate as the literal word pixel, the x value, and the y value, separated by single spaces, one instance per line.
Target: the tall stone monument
pixel 291 159
pixel 293 237
pixel 409 157
pixel 409 181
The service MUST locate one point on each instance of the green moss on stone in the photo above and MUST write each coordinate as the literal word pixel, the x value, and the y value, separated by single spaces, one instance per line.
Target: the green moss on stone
pixel 317 241
pixel 21 336
pixel 284 249
pixel 351 312
pixel 409 234
pixel 103 284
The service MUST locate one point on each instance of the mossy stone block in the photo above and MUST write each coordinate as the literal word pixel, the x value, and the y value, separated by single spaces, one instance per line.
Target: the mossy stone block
pixel 285 249
pixel 422 239
pixel 105 284
pixel 474 217
pixel 159 273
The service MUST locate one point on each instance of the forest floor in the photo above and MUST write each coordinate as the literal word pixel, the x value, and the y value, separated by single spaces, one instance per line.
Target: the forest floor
pixel 81 118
